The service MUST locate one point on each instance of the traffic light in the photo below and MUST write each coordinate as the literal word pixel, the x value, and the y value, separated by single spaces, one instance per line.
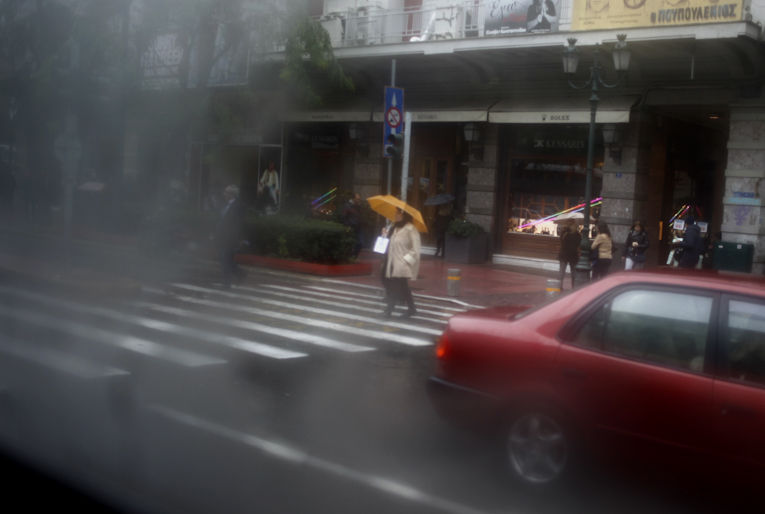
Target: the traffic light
pixel 394 145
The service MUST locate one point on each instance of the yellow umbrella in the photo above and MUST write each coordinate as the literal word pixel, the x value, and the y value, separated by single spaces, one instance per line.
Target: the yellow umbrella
pixel 387 205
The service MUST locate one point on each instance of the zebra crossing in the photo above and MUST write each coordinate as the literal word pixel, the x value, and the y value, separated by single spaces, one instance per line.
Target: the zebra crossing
pixel 192 326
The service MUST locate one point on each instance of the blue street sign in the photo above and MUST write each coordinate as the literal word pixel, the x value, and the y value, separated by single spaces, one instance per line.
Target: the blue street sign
pixel 393 116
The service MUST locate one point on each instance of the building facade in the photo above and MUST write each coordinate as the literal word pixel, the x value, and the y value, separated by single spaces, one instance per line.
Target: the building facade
pixel 686 120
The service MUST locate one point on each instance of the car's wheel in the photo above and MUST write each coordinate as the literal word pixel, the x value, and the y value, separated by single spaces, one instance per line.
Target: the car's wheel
pixel 538 447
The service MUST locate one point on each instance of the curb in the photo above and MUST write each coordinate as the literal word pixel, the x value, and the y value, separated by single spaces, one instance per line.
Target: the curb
pixel 327 270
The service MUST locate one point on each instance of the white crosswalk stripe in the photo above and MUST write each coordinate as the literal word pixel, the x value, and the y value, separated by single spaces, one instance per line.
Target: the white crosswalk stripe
pixel 257 327
pixel 164 326
pixel 351 302
pixel 109 337
pixel 57 360
pixel 444 311
pixel 313 310
pixel 315 323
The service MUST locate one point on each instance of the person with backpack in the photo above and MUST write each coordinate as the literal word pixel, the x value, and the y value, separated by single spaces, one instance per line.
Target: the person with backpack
pixel 692 245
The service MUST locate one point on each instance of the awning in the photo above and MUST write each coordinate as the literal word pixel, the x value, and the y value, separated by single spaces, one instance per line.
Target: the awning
pixel 476 115
pixel 444 116
pixel 327 116
pixel 570 110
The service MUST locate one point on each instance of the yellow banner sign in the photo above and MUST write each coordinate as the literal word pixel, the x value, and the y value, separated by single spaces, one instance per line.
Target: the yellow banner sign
pixel 615 14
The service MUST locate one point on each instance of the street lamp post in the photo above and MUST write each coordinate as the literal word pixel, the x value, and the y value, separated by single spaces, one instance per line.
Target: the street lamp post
pixel 621 57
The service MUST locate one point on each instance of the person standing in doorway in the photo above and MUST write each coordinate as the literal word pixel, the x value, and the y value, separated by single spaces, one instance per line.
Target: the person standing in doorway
pixel 568 255
pixel 635 247
pixel 402 263
pixel 604 246
pixel 227 235
pixel 268 185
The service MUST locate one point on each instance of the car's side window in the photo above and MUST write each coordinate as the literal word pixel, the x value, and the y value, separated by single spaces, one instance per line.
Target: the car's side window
pixel 591 333
pixel 661 327
pixel 746 341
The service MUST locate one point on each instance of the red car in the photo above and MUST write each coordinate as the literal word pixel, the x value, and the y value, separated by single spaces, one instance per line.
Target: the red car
pixel 662 359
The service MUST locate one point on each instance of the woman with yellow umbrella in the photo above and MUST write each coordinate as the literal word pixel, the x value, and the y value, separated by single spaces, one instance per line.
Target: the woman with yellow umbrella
pixel 402 259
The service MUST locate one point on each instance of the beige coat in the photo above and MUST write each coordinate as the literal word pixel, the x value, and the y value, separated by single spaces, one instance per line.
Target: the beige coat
pixel 404 253
pixel 604 245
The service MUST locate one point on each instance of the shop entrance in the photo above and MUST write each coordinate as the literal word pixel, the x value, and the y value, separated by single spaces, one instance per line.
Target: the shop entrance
pixel 690 150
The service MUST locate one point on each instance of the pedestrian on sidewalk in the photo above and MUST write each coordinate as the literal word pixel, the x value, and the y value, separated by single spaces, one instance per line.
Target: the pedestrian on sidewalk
pixel 440 225
pixel 635 247
pixel 227 235
pixel 402 263
pixel 692 246
pixel 568 255
pixel 604 246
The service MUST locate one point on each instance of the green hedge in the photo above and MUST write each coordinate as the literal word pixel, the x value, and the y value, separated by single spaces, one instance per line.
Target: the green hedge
pixel 292 237
pixel 464 228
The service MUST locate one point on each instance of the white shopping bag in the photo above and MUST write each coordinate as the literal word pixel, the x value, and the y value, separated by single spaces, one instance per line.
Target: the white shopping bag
pixel 381 244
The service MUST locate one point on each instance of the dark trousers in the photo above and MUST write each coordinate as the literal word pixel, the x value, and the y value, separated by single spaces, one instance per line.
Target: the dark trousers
pixel 600 268
pixel 399 292
pixel 228 266
pixel 572 266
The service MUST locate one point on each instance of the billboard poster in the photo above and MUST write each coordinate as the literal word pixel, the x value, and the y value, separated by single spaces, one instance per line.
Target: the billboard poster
pixel 616 14
pixel 510 16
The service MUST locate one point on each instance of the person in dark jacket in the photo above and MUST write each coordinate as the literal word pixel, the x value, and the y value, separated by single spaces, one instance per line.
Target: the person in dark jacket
pixel 568 255
pixel 692 245
pixel 635 247
pixel 227 235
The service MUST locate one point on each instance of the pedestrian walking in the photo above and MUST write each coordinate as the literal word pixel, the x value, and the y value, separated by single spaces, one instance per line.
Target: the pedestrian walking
pixel 440 225
pixel 635 247
pixel 227 235
pixel 692 245
pixel 402 262
pixel 568 254
pixel 604 246
pixel 351 218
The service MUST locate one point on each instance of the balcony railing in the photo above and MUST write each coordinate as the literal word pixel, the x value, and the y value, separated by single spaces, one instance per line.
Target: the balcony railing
pixel 370 26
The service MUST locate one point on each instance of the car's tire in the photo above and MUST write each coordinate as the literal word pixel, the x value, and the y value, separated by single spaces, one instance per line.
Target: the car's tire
pixel 538 447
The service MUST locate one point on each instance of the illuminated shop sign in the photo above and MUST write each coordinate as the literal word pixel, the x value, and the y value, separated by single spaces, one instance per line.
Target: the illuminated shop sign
pixel 615 14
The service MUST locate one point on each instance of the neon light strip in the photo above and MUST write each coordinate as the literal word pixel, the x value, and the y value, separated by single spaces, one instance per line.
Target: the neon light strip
pixel 324 202
pixel 324 195
pixel 593 203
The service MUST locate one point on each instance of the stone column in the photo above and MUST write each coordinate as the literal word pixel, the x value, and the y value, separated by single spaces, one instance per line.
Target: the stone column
pixel 482 178
pixel 743 210
pixel 625 183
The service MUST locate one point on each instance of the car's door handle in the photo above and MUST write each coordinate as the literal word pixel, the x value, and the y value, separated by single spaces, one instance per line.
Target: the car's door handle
pixel 573 373
pixel 737 410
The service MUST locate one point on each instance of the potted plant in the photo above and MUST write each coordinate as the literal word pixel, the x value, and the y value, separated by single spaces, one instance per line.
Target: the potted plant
pixel 466 242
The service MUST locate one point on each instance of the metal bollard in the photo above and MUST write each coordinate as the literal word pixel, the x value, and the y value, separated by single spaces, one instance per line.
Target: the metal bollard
pixel 453 281
pixel 553 287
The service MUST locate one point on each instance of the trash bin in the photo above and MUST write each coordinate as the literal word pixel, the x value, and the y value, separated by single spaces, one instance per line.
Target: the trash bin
pixel 733 256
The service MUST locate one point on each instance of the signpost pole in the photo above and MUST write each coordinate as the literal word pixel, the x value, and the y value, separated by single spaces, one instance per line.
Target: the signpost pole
pixel 390 161
pixel 405 159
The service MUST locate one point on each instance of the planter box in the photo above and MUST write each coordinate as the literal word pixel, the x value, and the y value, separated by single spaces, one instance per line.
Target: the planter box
pixel 331 270
pixel 468 250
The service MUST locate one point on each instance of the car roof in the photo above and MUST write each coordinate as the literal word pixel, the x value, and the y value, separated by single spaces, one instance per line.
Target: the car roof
pixel 712 279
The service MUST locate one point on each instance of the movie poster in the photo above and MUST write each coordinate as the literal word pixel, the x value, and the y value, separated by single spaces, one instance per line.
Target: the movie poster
pixel 512 16
pixel 615 14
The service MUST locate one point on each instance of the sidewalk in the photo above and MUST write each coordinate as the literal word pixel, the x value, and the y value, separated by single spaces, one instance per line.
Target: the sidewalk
pixel 478 285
